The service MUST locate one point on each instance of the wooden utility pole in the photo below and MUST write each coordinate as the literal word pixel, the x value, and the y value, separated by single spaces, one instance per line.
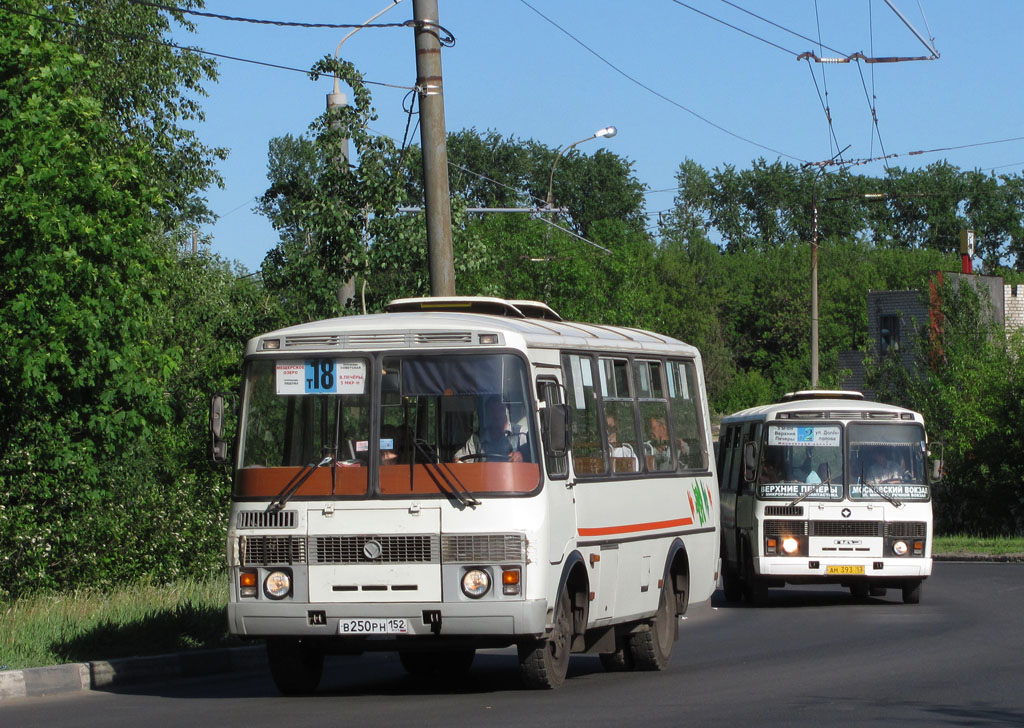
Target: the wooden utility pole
pixel 433 139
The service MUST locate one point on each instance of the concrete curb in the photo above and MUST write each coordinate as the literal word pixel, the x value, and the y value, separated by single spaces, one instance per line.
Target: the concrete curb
pixel 110 674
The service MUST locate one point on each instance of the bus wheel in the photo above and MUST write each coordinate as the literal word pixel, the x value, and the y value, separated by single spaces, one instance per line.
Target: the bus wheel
pixel 912 592
pixel 652 649
pixel 731 585
pixel 437 663
pixel 754 588
pixel 619 661
pixel 544 663
pixel 295 666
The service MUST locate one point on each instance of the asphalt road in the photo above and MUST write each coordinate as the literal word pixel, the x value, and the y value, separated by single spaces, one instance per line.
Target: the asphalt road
pixel 811 657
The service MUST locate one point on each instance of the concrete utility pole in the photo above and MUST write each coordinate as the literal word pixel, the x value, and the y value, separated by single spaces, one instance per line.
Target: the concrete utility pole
pixel 433 138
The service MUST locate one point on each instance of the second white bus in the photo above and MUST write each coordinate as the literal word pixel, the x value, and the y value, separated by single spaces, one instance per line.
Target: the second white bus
pixel 825 487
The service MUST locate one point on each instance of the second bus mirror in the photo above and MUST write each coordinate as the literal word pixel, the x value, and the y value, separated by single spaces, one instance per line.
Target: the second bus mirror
pixel 558 434
pixel 935 453
pixel 218 445
pixel 749 461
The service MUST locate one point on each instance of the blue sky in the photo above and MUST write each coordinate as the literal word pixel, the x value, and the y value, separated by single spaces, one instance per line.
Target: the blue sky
pixel 650 68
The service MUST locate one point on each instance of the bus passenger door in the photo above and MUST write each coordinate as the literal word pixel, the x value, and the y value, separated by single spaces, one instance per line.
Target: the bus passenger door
pixel 728 488
pixel 745 491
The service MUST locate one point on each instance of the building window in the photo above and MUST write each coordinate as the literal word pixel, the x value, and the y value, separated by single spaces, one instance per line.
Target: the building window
pixel 888 334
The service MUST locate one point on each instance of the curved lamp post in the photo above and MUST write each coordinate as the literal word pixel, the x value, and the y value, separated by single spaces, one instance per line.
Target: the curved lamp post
pixel 607 133
pixel 337 98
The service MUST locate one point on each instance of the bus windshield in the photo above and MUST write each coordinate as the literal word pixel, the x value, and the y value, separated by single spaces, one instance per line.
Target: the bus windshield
pixel 440 425
pixel 890 459
pixel 802 461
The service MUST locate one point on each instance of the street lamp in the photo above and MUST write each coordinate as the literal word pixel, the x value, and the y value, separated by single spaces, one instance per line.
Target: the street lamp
pixel 607 133
pixel 337 98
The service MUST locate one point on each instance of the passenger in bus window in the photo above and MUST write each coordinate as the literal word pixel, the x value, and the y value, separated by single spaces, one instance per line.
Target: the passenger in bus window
pixel 496 441
pixel 656 448
pixel 620 450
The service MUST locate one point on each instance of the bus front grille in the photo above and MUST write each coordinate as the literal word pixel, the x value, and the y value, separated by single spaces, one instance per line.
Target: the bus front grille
pixel 780 528
pixel 371 549
pixel 906 529
pixel 263 519
pixel 846 528
pixel 267 550
pixel 482 548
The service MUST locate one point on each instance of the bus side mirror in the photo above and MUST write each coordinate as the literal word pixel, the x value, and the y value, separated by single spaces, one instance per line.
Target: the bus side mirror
pixel 749 461
pixel 557 431
pixel 935 453
pixel 218 445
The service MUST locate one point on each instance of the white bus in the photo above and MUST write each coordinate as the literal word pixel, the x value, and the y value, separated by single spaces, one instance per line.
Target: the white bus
pixel 464 473
pixel 825 487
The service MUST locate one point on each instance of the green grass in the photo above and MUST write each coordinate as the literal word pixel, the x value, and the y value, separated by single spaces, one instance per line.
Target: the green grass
pixel 977 545
pixel 132 620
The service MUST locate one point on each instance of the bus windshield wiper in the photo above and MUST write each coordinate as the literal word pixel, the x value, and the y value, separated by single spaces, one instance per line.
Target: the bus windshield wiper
pixel 450 488
pixel 811 492
pixel 295 483
pixel 863 481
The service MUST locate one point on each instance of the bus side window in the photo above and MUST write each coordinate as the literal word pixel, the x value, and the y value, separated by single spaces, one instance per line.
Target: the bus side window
pixel 588 453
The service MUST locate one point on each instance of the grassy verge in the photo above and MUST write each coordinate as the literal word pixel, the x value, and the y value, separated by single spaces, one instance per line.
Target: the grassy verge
pixel 132 620
pixel 977 545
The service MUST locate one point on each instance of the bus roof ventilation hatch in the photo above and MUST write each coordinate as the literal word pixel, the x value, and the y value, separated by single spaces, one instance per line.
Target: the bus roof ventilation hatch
pixel 821 394
pixel 474 304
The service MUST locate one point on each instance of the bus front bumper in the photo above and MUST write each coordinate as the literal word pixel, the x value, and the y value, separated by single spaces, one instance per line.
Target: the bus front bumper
pixel 429 619
pixel 824 570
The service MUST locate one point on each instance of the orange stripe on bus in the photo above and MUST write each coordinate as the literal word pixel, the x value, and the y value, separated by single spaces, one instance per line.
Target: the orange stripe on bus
pixel 635 527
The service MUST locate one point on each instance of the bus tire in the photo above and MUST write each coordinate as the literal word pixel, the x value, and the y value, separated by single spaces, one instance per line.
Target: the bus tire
pixel 426 664
pixel 295 666
pixel 912 592
pixel 652 649
pixel 619 661
pixel 731 585
pixel 544 663
pixel 755 589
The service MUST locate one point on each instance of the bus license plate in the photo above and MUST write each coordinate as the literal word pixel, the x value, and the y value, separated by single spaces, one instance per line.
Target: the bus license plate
pixel 373 625
pixel 844 570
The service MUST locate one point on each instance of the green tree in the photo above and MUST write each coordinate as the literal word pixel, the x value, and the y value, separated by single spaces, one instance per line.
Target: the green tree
pixel 328 212
pixel 82 241
pixel 969 385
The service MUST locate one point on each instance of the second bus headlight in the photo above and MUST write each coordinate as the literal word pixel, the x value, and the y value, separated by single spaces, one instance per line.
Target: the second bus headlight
pixel 475 583
pixel 790 545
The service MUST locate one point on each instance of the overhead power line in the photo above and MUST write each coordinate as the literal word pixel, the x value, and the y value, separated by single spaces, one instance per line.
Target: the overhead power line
pixel 857 162
pixel 660 95
pixel 189 49
pixel 446 39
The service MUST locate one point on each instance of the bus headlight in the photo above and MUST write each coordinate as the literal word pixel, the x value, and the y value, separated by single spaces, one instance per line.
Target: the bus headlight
pixel 475 583
pixel 790 545
pixel 277 585
pixel 900 548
